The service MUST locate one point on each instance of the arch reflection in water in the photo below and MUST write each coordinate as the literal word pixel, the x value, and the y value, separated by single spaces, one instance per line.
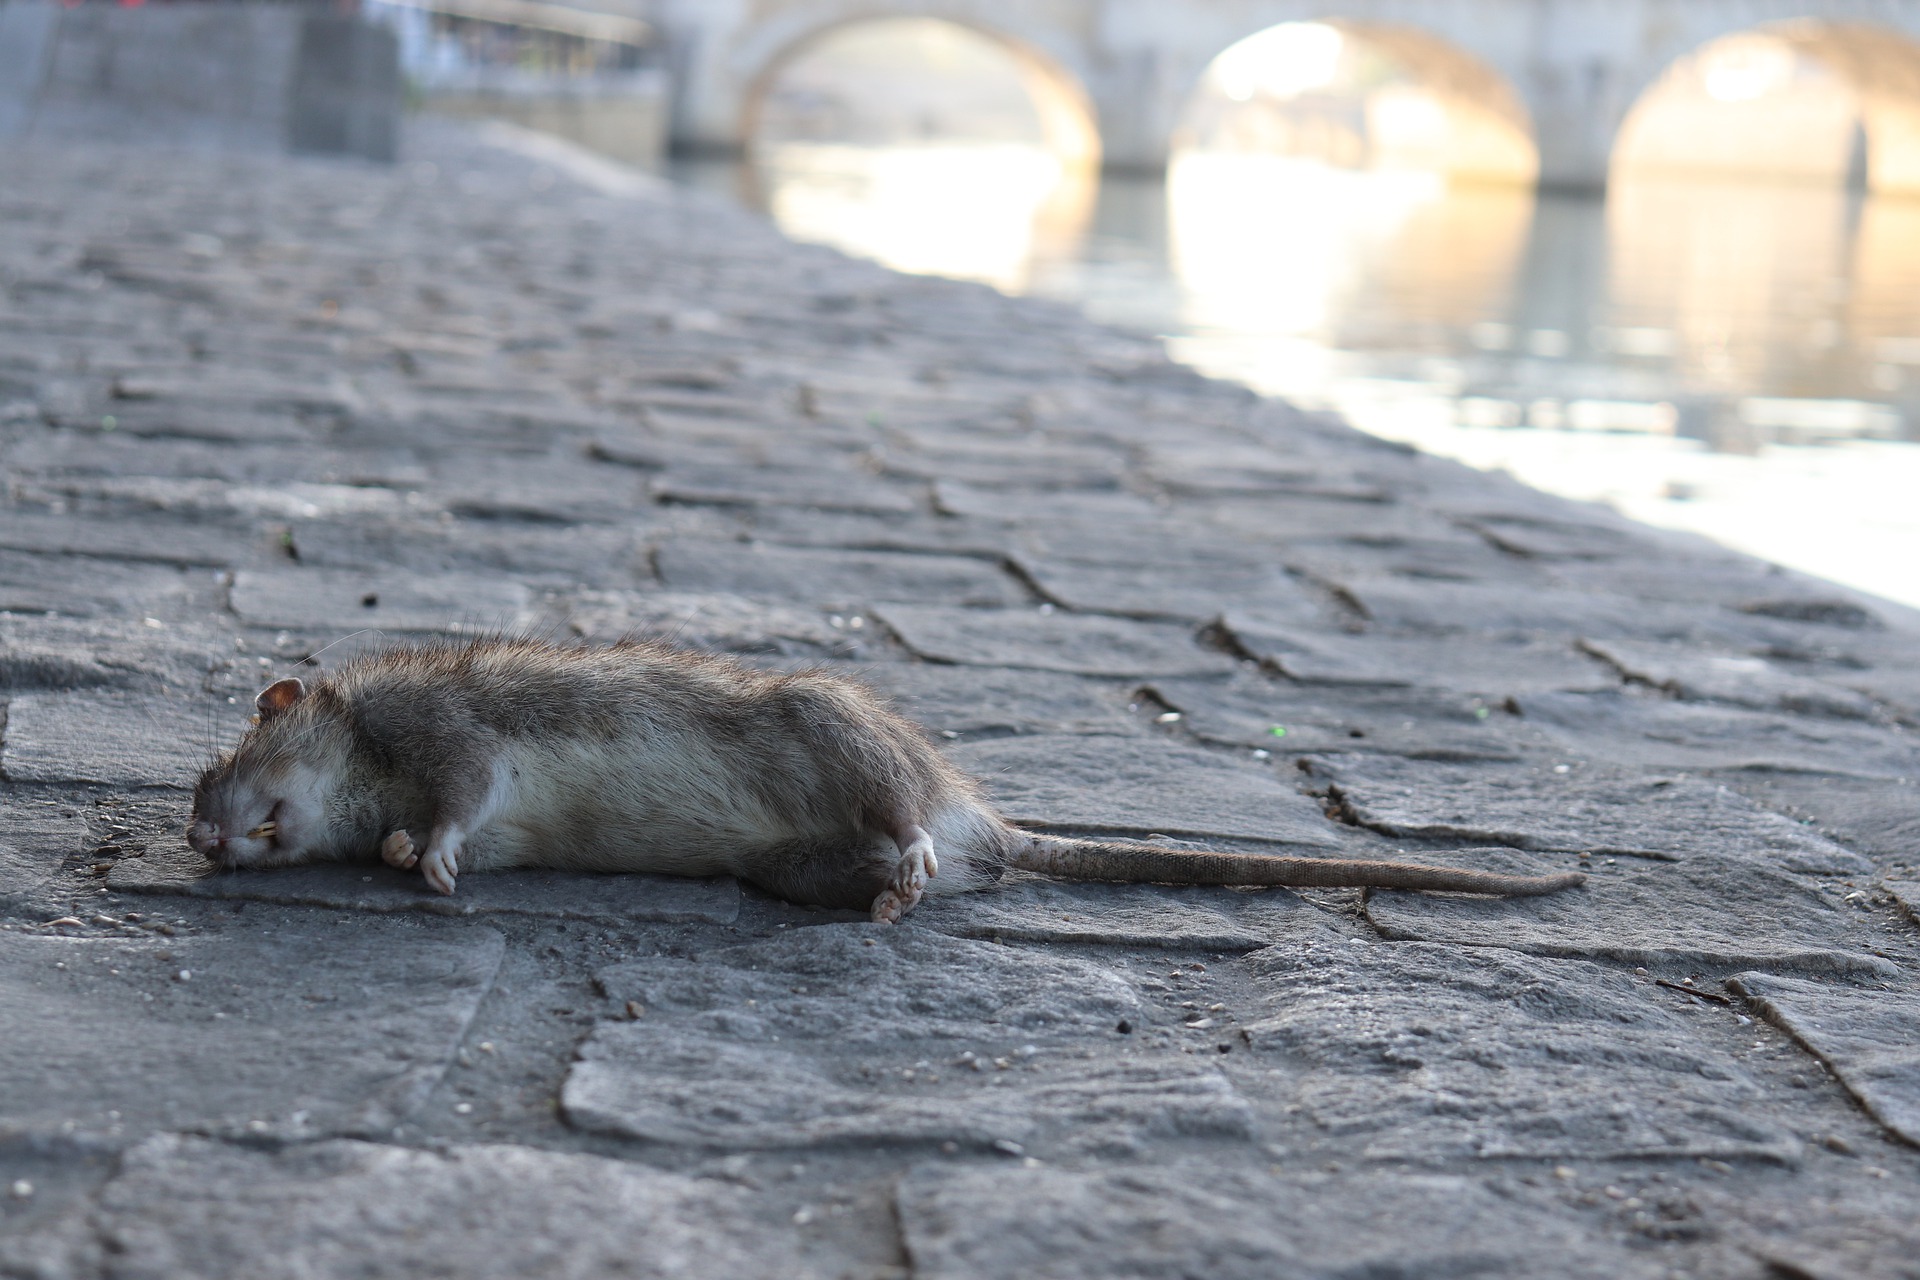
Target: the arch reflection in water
pixel 1284 261
pixel 928 146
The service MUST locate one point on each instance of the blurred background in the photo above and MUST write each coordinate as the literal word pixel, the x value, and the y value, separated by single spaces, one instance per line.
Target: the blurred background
pixel 1664 257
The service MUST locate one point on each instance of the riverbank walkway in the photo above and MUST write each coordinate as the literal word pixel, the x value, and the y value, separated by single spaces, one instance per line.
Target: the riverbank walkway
pixel 257 414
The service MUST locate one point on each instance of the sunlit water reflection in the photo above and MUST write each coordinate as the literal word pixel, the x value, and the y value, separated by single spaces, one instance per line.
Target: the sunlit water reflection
pixel 1739 360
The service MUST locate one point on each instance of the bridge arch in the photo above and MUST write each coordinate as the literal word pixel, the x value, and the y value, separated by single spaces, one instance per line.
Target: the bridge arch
pixel 1414 98
pixel 1059 98
pixel 1745 103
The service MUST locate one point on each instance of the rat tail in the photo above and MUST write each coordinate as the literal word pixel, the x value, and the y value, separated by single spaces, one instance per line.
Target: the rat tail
pixel 1117 860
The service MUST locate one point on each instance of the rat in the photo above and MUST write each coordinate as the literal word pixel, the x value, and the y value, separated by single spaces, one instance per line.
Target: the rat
pixel 640 757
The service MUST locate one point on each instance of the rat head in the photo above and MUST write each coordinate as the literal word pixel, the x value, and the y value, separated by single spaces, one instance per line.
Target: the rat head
pixel 265 803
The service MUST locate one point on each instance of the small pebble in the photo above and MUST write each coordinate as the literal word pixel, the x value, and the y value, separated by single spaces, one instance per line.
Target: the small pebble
pixel 21 1189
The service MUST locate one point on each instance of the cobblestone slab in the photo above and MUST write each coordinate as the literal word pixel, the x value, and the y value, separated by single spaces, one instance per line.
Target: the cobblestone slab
pixel 833 578
pixel 1051 642
pixel 1256 713
pixel 93 588
pixel 285 1033
pixel 354 887
pixel 1197 1218
pixel 193 1207
pixel 578 555
pixel 733 624
pixel 852 1033
pixel 1491 1054
pixel 338 600
pixel 1140 786
pixel 109 736
pixel 1577 809
pixel 1743 680
pixel 1193 593
pixel 1030 909
pixel 1721 912
pixel 1657 733
pixel 1869 1038
pixel 988 702
pixel 1493 667
pixel 35 841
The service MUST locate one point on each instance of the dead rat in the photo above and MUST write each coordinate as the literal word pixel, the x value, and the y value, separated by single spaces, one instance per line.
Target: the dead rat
pixel 643 758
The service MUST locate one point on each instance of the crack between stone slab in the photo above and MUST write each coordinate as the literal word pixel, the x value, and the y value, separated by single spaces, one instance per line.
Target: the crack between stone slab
pixel 1355 615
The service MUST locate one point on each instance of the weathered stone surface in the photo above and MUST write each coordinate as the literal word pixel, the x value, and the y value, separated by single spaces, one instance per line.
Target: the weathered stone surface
pixel 810 1038
pixel 1023 908
pixel 590 555
pixel 1196 593
pixel 1659 733
pixel 36 839
pixel 1724 913
pixel 826 490
pixel 343 600
pixel 1203 1218
pixel 1876 817
pixel 733 624
pixel 286 1032
pixel 1492 1054
pixel 71 653
pixel 1051 641
pixel 1401 604
pixel 1906 893
pixel 107 736
pixel 985 702
pixel 80 588
pixel 1013 506
pixel 1705 676
pixel 183 1206
pixel 832 578
pixel 1141 785
pixel 372 887
pixel 1494 667
pixel 1246 710
pixel 1018 461
pixel 1868 1037
pixel 164 542
pixel 1573 808
pixel 1165 542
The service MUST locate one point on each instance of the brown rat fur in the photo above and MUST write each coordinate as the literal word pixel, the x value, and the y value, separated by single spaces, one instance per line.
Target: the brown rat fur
pixel 638 757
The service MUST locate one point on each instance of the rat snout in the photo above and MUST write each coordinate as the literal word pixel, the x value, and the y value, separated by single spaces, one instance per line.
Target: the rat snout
pixel 206 839
pixel 230 842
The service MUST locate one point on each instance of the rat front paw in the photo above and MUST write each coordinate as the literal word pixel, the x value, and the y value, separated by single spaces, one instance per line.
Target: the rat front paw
pixel 397 851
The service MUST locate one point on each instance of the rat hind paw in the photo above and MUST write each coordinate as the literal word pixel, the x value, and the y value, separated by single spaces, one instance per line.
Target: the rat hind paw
pixel 441 867
pixel 397 851
pixel 908 883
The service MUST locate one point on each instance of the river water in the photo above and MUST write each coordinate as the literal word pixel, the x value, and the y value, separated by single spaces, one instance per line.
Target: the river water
pixel 1740 360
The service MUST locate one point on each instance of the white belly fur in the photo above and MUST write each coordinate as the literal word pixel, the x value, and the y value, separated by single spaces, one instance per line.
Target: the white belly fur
pixel 599 807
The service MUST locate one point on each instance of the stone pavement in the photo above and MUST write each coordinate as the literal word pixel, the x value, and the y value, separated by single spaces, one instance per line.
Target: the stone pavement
pixel 259 413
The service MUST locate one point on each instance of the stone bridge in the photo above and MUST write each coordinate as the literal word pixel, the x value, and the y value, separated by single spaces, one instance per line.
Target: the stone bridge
pixel 1112 76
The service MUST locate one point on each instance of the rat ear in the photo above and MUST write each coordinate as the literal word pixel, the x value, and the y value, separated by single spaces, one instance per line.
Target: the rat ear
pixel 278 696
